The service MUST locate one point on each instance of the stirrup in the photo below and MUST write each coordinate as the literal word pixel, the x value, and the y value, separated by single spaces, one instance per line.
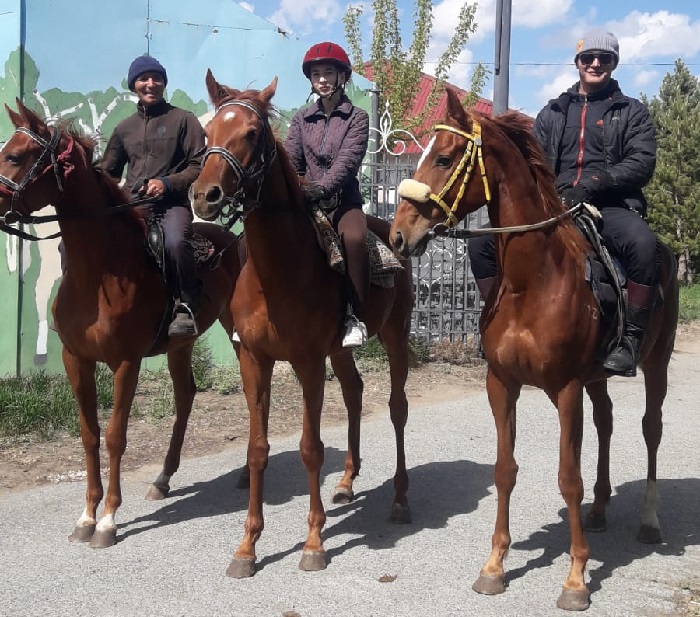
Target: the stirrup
pixel 183 324
pixel 355 332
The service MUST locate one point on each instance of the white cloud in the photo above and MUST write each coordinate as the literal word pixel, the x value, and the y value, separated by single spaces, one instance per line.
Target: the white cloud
pixel 555 87
pixel 247 6
pixel 647 35
pixel 644 78
pixel 306 14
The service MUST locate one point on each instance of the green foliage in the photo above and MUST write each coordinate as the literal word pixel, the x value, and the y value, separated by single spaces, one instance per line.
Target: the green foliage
pixel 396 71
pixel 674 192
pixel 40 403
pixel 202 365
pixel 690 303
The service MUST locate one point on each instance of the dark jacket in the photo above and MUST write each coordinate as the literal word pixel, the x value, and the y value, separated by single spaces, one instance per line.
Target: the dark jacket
pixel 329 150
pixel 160 141
pixel 627 138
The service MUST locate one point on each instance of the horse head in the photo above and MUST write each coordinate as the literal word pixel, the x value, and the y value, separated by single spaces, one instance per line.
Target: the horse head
pixel 449 182
pixel 240 149
pixel 33 165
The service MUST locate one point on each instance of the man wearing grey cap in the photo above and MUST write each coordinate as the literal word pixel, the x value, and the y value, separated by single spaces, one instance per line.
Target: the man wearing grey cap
pixel 601 145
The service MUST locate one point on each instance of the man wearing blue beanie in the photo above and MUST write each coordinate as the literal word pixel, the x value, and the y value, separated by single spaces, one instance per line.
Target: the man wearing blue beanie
pixel 601 145
pixel 161 145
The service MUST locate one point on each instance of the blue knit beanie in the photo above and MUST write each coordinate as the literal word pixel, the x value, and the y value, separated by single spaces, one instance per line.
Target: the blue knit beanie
pixel 599 39
pixel 144 64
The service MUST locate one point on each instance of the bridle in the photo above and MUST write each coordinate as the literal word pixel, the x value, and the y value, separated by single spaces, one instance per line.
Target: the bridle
pixel 239 204
pixel 472 155
pixel 14 189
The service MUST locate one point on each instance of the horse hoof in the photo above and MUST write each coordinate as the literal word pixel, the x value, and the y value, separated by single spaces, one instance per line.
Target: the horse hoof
pixel 489 585
pixel 400 514
pixel 571 600
pixel 82 533
pixel 649 535
pixel 343 495
pixel 313 561
pixel 241 567
pixel 595 523
pixel 243 481
pixel 157 492
pixel 104 539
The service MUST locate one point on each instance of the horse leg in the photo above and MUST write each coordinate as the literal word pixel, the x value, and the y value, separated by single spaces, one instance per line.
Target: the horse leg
pixel 397 351
pixel 81 375
pixel 184 388
pixel 603 420
pixel 352 386
pixel 503 399
pixel 125 380
pixel 312 377
pixel 256 374
pixel 656 386
pixel 575 595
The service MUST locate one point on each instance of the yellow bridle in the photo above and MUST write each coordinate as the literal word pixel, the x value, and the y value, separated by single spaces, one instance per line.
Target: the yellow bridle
pixel 472 155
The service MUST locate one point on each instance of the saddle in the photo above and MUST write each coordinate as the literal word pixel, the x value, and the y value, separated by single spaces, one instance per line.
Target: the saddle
pixel 382 262
pixel 608 282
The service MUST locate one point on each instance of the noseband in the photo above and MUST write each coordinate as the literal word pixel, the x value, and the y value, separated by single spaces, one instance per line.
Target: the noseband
pixel 14 189
pixel 417 191
pixel 234 205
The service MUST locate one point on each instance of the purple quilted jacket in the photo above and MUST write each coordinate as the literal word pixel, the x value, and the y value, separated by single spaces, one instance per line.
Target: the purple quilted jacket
pixel 329 149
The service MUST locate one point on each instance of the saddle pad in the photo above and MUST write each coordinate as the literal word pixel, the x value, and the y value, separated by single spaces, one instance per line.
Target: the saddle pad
pixel 382 262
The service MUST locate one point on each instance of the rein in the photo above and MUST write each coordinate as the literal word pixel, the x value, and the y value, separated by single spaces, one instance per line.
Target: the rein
pixel 234 206
pixel 422 193
pixel 10 187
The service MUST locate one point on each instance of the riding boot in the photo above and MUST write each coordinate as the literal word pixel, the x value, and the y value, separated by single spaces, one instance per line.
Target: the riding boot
pixel 624 358
pixel 183 323
pixel 485 286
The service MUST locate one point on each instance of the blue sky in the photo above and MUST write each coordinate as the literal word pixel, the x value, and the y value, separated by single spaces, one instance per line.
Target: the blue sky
pixel 652 34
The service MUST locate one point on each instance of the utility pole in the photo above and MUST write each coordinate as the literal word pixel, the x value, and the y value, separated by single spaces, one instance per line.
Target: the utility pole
pixel 502 58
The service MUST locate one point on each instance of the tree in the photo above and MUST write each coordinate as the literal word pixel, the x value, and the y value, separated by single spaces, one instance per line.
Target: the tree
pixel 674 191
pixel 396 71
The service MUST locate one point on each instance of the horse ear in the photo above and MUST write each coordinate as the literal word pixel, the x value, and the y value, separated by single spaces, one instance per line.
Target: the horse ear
pixel 455 111
pixel 31 119
pixel 268 92
pixel 215 90
pixel 15 118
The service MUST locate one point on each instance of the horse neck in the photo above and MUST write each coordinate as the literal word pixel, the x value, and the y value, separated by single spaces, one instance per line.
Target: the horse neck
pixel 280 237
pixel 525 257
pixel 94 244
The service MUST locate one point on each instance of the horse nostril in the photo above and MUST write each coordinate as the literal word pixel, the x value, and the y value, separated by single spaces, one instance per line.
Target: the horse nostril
pixel 214 194
pixel 397 241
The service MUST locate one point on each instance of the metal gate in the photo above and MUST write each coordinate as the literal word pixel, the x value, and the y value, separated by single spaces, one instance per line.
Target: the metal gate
pixel 448 303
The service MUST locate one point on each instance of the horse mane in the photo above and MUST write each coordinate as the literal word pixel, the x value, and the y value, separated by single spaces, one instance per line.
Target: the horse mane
pixel 109 186
pixel 517 128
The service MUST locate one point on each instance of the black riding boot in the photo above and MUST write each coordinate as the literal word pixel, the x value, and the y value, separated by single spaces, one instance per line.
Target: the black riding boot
pixel 485 286
pixel 624 358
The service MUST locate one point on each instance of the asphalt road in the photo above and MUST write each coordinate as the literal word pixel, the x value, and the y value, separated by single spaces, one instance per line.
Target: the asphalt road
pixel 171 557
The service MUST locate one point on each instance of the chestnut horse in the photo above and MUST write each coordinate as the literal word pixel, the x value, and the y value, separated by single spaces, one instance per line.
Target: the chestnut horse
pixel 289 305
pixel 112 301
pixel 541 328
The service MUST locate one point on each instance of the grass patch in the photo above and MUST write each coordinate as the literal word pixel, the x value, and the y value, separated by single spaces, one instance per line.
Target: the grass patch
pixel 689 303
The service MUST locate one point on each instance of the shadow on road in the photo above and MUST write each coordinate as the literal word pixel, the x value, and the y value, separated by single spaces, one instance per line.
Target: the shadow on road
pixel 438 492
pixel 617 546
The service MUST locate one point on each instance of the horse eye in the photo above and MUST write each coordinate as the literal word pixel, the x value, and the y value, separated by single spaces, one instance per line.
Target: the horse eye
pixel 251 135
pixel 443 161
pixel 13 158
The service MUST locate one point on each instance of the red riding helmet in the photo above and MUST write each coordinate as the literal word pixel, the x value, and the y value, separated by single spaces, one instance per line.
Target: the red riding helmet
pixel 327 52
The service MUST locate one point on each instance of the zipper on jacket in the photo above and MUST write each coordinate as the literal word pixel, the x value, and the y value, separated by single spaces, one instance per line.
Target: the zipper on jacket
pixel 582 132
pixel 325 135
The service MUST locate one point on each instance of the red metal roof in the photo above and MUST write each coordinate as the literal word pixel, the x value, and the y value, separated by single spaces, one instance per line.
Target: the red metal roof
pixel 422 133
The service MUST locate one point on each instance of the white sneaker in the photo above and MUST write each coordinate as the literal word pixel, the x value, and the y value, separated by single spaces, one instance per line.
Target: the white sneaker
pixel 355 332
pixel 235 338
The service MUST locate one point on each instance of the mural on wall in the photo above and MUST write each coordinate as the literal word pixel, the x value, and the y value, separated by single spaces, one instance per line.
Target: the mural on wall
pixel 186 44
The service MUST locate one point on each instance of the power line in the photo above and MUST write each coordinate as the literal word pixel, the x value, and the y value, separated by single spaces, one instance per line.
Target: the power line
pixel 628 64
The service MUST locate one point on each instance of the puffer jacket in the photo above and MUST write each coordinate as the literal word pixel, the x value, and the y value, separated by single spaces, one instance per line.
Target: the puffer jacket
pixel 628 140
pixel 161 141
pixel 329 150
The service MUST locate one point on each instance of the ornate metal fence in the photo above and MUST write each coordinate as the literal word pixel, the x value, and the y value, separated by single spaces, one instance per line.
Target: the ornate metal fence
pixel 448 303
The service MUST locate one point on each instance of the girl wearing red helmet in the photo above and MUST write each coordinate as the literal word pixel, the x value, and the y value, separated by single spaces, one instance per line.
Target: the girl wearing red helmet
pixel 326 143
